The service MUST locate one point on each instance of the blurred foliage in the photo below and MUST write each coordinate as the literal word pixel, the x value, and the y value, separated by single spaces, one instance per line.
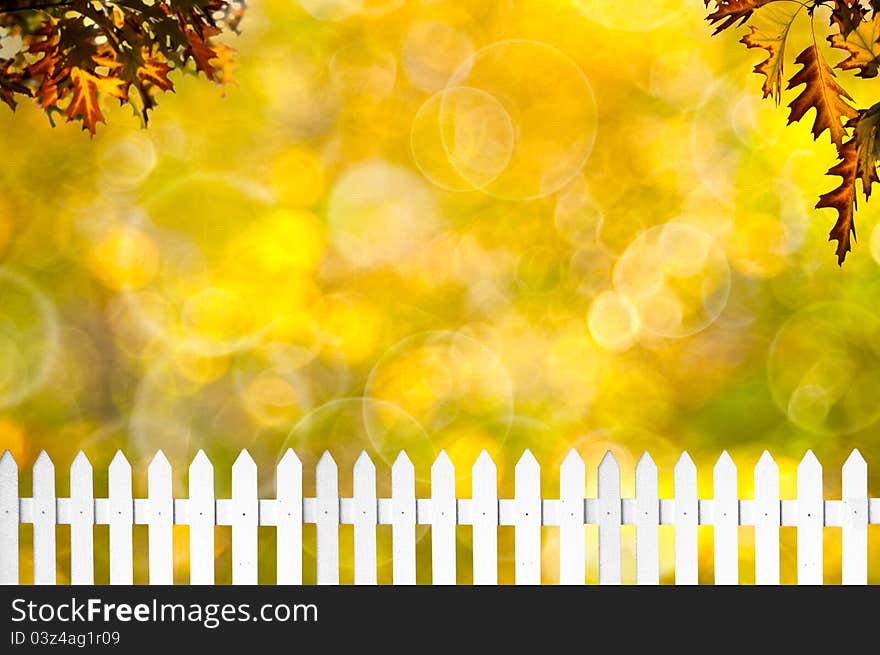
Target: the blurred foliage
pixel 461 225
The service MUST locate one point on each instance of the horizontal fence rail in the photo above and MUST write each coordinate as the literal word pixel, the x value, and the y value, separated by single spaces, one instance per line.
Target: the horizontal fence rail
pixel 527 511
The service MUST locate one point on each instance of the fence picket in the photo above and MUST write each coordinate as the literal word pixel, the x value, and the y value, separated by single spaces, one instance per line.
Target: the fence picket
pixel 403 521
pixel 609 520
pixel 121 521
pixel 527 531
pixel 365 520
pixel 288 491
pixel 444 518
pixel 572 536
pixel 854 545
pixel 82 521
pixel 327 520
pixel 685 491
pixel 647 522
pixel 201 520
pixel 766 521
pixel 245 520
pixel 44 520
pixel 811 519
pixel 726 521
pixel 9 519
pixel 485 513
pixel 159 531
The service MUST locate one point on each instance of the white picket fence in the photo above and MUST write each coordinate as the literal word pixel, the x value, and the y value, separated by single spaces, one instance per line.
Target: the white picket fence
pixel 484 511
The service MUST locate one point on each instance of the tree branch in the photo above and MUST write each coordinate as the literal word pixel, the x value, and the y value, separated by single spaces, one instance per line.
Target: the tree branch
pixel 37 6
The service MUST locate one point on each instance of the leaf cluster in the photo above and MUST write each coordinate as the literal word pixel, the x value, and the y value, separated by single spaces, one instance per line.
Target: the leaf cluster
pixel 69 55
pixel 855 30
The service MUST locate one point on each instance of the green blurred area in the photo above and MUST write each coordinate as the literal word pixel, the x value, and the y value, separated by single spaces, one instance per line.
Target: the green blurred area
pixel 462 225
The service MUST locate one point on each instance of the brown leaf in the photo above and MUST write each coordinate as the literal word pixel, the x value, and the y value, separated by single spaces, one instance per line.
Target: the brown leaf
pixel 862 46
pixel 770 32
pixel 821 93
pixel 728 12
pixel 87 91
pixel 201 51
pixel 843 199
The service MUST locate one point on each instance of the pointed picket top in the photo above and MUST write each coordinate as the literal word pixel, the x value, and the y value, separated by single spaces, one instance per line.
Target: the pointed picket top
pixel 119 462
pixel 809 463
pixel 80 463
pixel 290 458
pixel 725 464
pixel 244 462
pixel 44 462
pixel 684 464
pixel 527 462
pixel 7 459
pixel 766 464
pixel 363 464
pixel 484 462
pixel 855 463
pixel 326 463
pixel 573 461
pixel 159 464
pixel 645 465
pixel 402 465
pixel 609 464
pixel 201 460
pixel 289 464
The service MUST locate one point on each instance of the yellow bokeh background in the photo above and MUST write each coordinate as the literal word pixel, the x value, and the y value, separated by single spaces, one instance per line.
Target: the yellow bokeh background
pixel 438 224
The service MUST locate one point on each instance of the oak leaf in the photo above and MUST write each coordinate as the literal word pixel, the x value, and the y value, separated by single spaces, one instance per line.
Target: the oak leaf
pixel 773 25
pixel 843 199
pixel 729 12
pixel 87 90
pixel 822 93
pixel 862 45
pixel 867 147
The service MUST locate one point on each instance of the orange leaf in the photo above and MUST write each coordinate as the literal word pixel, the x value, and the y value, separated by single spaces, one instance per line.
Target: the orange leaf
pixel 155 71
pixel 202 52
pixel 87 91
pixel 821 93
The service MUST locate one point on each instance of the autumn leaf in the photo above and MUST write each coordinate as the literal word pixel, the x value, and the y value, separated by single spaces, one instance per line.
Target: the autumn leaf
pixel 87 91
pixel 862 46
pixel 201 52
pixel 773 24
pixel 728 12
pixel 843 199
pixel 822 93
pixel 154 70
pixel 867 147
pixel 11 82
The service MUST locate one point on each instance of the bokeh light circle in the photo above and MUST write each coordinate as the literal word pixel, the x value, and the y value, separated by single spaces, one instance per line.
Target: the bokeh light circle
pixel 613 321
pixel 432 51
pixel 468 127
pixel 29 338
pixel 552 108
pixel 377 211
pixel 349 426
pixel 452 384
pixel 624 16
pixel 824 368
pixel 676 276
